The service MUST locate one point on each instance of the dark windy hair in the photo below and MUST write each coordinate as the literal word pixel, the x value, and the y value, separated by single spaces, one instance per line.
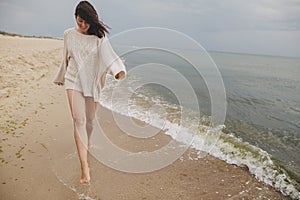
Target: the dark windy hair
pixel 87 12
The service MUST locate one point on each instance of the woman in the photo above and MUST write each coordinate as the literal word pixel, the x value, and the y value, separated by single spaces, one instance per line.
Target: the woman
pixel 87 58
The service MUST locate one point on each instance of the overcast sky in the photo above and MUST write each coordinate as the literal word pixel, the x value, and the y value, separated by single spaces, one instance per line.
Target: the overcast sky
pixel 269 27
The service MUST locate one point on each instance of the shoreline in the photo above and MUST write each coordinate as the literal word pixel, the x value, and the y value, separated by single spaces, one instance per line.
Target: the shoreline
pixel 3 33
pixel 38 147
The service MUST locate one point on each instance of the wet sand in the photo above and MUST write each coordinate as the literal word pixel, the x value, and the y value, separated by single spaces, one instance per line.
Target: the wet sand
pixel 38 154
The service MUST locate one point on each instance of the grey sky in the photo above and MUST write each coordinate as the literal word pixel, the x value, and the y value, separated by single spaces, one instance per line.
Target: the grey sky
pixel 257 26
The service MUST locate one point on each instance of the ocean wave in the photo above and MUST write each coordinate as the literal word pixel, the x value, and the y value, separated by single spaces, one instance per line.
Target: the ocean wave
pixel 214 141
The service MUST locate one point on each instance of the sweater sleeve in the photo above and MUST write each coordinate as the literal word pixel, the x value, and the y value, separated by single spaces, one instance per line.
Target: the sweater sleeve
pixel 113 63
pixel 60 75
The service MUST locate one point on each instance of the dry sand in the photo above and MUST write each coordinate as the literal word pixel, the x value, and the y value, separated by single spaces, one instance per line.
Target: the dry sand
pixel 37 149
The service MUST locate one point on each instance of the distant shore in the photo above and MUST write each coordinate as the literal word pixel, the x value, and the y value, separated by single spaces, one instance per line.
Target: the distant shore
pixel 26 36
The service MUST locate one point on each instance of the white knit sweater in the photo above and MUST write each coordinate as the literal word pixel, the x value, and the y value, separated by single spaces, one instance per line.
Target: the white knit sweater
pixel 88 59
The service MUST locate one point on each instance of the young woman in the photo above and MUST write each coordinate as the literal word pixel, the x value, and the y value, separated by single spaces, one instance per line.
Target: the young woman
pixel 87 58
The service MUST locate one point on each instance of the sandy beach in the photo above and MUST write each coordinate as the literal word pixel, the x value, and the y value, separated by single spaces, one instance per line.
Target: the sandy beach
pixel 38 153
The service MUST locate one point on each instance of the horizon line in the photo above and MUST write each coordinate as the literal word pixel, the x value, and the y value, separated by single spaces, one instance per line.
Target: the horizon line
pixel 211 50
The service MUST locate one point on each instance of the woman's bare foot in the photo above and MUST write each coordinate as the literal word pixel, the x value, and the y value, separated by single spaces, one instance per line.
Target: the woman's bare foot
pixel 85 177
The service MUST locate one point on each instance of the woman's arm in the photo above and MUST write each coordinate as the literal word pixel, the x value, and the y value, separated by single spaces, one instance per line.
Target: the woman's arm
pixel 60 75
pixel 112 61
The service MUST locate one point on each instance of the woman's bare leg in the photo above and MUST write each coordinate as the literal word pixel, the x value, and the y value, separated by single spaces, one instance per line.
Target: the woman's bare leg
pixel 90 109
pixel 77 106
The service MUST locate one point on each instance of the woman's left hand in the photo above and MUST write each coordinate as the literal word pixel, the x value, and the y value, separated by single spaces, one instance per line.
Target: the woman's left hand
pixel 120 75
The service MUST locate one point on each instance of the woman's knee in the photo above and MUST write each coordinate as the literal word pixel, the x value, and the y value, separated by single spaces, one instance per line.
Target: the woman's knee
pixel 90 121
pixel 79 120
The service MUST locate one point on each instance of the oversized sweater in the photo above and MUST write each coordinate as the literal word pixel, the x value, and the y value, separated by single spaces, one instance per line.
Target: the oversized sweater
pixel 92 58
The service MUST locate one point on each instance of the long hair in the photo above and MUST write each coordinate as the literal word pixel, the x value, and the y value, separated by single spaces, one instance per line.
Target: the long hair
pixel 87 12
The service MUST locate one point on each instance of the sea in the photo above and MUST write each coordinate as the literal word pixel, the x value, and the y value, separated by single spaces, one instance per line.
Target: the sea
pixel 261 128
